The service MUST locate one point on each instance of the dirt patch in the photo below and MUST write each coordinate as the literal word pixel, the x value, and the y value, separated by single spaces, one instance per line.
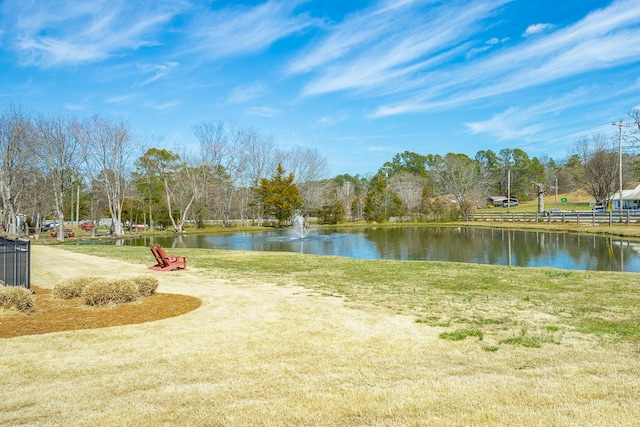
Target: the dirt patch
pixel 54 315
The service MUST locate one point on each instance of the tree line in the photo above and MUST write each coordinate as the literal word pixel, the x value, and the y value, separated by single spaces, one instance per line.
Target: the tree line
pixel 74 168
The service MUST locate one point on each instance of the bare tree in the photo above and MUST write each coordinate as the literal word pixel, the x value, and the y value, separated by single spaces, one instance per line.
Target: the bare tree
pixel 107 147
pixel 310 169
pixel 634 133
pixel 57 152
pixel 409 187
pixel 183 188
pixel 463 178
pixel 15 140
pixel 261 159
pixel 598 172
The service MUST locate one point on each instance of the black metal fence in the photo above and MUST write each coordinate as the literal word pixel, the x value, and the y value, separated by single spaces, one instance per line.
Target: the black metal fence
pixel 15 262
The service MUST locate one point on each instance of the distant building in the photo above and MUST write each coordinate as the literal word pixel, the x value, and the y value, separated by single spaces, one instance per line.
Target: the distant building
pixel 630 199
pixel 496 201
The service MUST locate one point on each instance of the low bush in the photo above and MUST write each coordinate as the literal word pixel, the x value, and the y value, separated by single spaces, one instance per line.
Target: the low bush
pixel 110 292
pixel 147 285
pixel 71 288
pixel 18 298
pixel 99 291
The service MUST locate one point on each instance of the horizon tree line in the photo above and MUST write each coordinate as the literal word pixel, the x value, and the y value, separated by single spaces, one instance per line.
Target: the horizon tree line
pixel 68 167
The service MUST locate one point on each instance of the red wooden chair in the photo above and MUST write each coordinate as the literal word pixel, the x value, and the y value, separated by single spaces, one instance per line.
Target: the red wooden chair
pixel 167 262
pixel 156 255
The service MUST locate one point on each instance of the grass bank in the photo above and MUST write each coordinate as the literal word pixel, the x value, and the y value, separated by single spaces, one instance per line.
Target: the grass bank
pixel 502 302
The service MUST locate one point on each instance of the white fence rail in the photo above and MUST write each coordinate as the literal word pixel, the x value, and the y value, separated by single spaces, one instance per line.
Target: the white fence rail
pixel 626 217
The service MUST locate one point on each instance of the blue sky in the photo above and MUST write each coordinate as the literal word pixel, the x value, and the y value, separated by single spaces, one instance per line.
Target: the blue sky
pixel 357 80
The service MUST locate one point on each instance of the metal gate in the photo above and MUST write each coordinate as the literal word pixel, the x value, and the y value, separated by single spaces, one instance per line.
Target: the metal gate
pixel 15 262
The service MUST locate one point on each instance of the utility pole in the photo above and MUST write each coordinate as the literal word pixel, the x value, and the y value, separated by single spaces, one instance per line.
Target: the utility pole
pixel 508 190
pixel 620 126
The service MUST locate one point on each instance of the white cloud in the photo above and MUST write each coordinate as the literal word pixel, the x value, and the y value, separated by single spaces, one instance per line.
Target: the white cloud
pixel 241 30
pixel 487 45
pixel 537 28
pixel 245 93
pixel 509 124
pixel 74 107
pixel 169 105
pixel 604 39
pixel 330 120
pixel 524 122
pixel 376 48
pixel 157 71
pixel 56 33
pixel 267 112
pixel 121 99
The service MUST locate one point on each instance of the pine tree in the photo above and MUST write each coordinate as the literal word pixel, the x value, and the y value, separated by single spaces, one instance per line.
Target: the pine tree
pixel 279 196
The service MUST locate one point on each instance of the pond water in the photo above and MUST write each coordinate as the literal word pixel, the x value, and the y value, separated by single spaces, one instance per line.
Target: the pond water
pixel 461 244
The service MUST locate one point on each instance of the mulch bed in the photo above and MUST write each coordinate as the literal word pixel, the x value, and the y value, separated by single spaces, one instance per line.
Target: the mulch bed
pixel 54 315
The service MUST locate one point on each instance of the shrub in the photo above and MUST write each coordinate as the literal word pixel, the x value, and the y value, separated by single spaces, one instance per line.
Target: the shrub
pixel 108 292
pixel 71 288
pixel 17 297
pixel 147 285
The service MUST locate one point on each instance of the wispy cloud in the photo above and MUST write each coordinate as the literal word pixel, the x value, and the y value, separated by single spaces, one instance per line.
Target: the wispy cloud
pixel 56 33
pixel 267 112
pixel 237 30
pixel 603 39
pixel 489 44
pixel 245 93
pixel 537 28
pixel 121 99
pixel 375 48
pixel 74 107
pixel 529 122
pixel 157 71
pixel 169 105
pixel 331 120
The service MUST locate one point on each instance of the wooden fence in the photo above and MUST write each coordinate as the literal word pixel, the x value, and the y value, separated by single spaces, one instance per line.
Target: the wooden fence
pixel 626 217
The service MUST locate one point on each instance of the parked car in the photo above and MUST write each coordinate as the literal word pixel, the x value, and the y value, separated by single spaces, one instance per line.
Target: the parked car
pixel 86 226
pixel 553 211
pixel 510 202
pixel 49 225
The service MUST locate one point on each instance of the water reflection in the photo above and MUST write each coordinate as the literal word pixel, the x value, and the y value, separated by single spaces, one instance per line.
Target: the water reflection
pixel 463 244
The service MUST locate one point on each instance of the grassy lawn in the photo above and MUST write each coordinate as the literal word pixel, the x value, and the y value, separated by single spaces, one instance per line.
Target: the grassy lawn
pixel 501 302
pixel 289 339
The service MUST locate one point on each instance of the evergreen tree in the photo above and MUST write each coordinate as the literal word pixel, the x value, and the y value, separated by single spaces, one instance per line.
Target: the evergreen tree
pixel 279 196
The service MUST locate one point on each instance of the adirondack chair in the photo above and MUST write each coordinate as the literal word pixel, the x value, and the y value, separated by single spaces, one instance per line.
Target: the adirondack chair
pixel 165 262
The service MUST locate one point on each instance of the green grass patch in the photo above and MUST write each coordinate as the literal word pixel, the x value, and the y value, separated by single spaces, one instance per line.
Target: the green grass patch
pixel 462 334
pixel 525 340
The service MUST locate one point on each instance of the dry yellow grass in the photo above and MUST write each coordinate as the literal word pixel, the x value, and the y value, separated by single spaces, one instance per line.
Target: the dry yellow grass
pixel 259 354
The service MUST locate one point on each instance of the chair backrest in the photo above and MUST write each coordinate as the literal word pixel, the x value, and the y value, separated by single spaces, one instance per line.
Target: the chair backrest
pixel 163 255
pixel 156 253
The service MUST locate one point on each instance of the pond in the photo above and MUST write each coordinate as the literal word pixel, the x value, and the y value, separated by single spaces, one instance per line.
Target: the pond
pixel 460 244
